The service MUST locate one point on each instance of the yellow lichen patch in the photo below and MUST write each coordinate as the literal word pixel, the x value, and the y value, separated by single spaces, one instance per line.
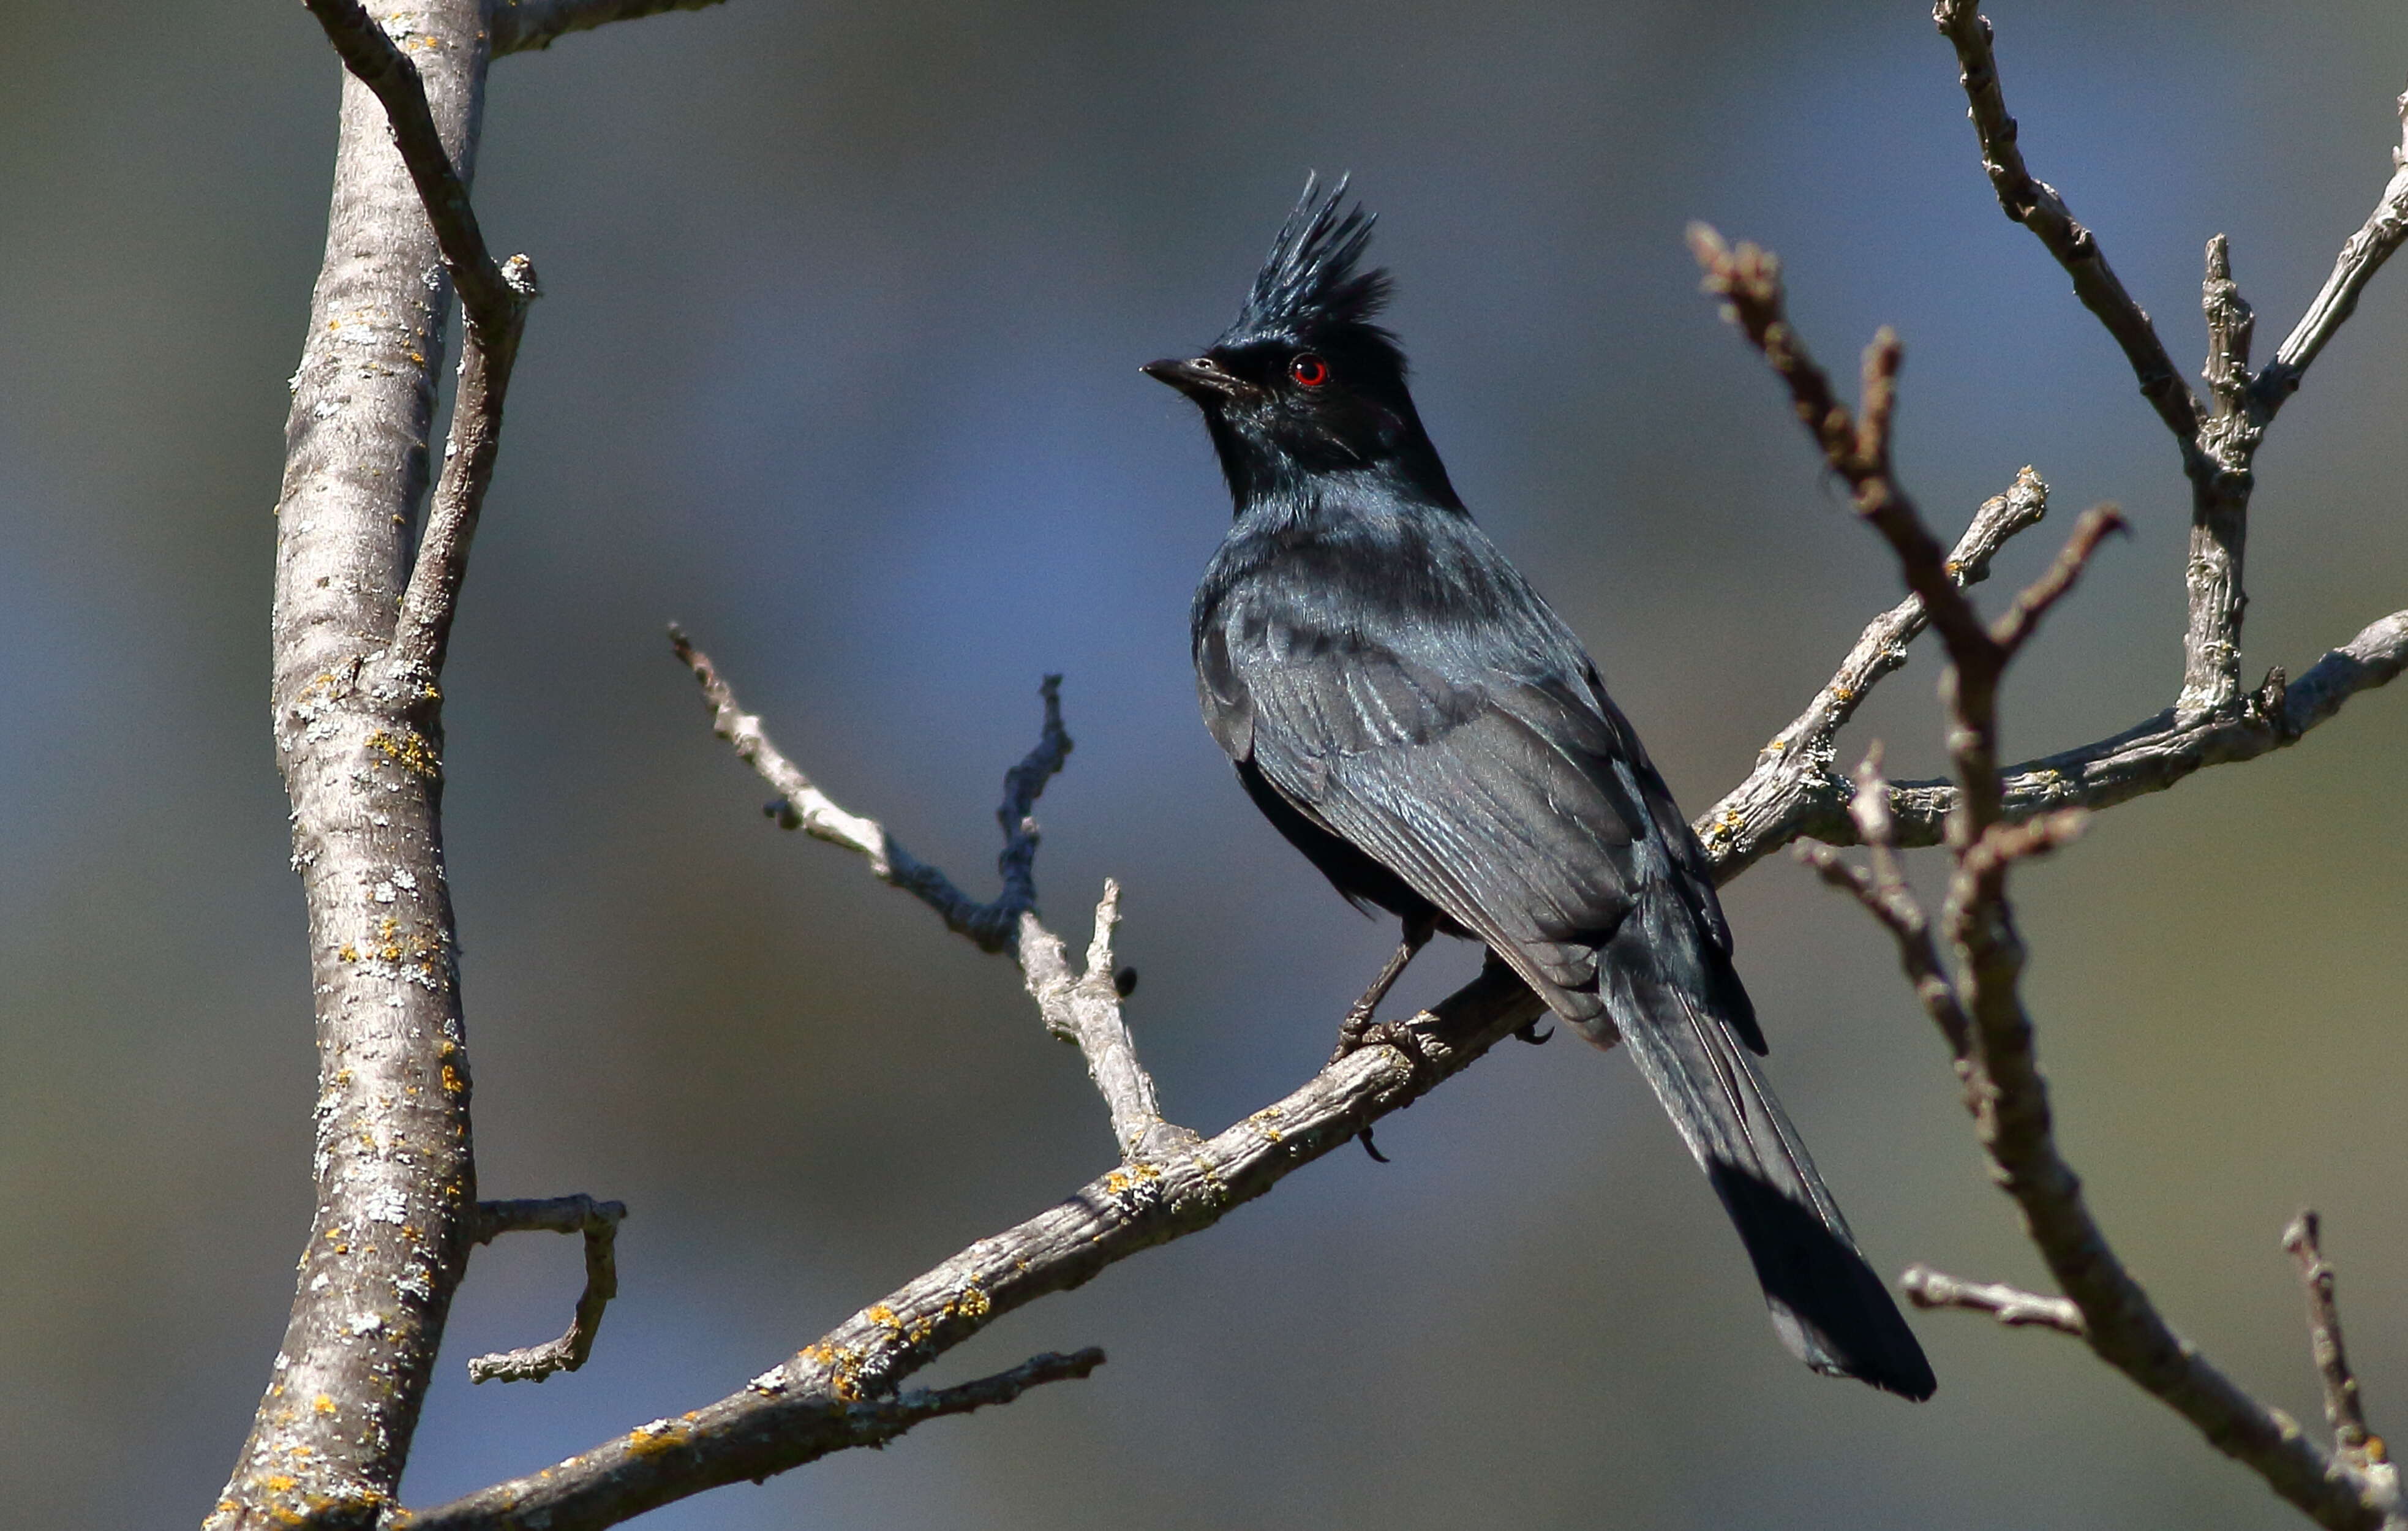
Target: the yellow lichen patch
pixel 283 1482
pixel 409 751
pixel 453 1082
pixel 1843 694
pixel 972 1303
pixel 348 952
pixel 654 1439
pixel 322 1404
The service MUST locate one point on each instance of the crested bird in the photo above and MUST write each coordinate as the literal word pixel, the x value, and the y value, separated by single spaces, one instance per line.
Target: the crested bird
pixel 1407 712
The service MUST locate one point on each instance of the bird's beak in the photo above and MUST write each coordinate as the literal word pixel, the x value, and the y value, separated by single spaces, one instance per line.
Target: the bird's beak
pixel 1201 379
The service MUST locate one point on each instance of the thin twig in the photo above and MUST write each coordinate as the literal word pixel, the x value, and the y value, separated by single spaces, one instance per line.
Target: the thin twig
pixel 993 925
pixel 519 25
pixel 2036 205
pixel 1884 894
pixel 2362 257
pixel 1080 1006
pixel 1084 1008
pixel 599 1222
pixel 2231 324
pixel 2344 1410
pixel 1748 280
pixel 2011 1306
pixel 2015 627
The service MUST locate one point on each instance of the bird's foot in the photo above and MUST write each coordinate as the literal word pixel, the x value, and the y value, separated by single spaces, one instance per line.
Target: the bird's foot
pixel 1532 1035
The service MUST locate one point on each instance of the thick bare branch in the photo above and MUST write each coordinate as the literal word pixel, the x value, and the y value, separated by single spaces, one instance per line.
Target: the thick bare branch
pixel 2011 1306
pixel 995 925
pixel 794 1412
pixel 599 1222
pixel 2036 205
pixel 522 24
pixel 362 763
pixel 2162 751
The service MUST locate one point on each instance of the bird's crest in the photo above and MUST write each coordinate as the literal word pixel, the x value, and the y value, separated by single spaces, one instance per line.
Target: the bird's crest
pixel 1308 284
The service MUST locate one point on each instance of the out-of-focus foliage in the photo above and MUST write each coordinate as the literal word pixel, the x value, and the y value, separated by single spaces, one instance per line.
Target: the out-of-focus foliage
pixel 838 367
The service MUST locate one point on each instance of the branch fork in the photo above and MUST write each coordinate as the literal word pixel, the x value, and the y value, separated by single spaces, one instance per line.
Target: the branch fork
pixel 1973 998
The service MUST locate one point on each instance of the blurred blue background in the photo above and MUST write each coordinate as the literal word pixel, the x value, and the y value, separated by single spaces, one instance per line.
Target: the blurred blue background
pixel 838 367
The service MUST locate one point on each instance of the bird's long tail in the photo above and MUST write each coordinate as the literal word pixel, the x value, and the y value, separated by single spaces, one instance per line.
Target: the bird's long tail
pixel 1828 1305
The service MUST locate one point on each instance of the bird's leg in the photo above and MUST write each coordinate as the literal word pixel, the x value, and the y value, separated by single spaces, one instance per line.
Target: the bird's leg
pixel 1356 1031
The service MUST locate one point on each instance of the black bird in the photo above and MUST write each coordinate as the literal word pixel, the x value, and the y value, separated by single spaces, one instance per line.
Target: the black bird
pixel 1405 708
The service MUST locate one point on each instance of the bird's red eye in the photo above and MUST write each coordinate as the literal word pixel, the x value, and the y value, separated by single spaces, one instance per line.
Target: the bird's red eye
pixel 1309 370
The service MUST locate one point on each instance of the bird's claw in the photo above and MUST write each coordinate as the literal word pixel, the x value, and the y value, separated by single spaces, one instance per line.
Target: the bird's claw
pixel 1530 1033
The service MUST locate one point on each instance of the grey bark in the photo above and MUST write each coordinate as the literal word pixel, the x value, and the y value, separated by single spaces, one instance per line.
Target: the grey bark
pixel 362 761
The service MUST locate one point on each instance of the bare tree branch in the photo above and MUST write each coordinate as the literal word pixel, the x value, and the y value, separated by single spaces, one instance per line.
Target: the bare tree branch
pixel 2343 1410
pixel 1793 793
pixel 522 24
pixel 1081 1007
pixel 1979 1013
pixel 1794 790
pixel 2036 205
pixel 1084 1008
pixel 2011 1306
pixel 2219 444
pixel 701 1450
pixel 494 299
pixel 362 761
pixel 2362 257
pixel 995 926
pixel 598 1221
pixel 794 1412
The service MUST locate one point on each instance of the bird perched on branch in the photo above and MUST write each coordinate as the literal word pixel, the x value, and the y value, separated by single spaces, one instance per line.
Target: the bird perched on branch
pixel 1405 708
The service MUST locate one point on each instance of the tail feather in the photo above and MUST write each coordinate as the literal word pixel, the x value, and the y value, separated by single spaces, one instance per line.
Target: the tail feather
pixel 1668 999
pixel 1829 1308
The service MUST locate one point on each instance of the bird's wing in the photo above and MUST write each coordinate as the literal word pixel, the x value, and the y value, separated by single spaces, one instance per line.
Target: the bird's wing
pixel 1526 809
pixel 1495 799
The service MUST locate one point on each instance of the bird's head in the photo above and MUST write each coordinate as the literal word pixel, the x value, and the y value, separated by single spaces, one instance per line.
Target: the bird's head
pixel 1304 385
